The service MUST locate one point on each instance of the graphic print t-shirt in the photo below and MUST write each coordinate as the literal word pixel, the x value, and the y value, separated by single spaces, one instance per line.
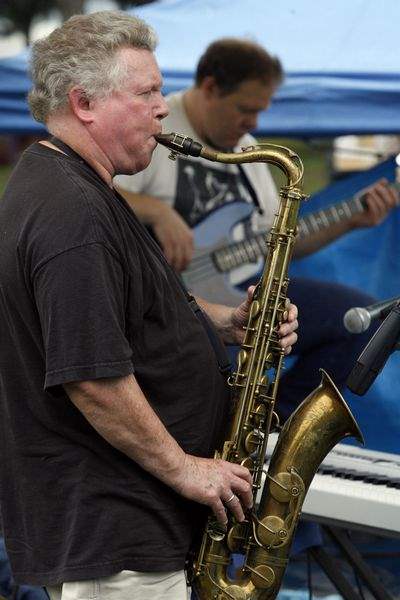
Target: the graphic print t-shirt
pixel 195 186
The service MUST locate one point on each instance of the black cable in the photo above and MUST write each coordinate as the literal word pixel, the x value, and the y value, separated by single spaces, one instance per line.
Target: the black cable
pixel 14 592
pixel 309 576
pixel 356 575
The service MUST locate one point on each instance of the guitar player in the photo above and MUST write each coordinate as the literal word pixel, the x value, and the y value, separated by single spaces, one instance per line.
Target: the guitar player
pixel 235 80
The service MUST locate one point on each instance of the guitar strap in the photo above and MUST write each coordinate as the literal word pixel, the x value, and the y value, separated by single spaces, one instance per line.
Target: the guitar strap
pixel 248 185
pixel 221 354
pixel 243 176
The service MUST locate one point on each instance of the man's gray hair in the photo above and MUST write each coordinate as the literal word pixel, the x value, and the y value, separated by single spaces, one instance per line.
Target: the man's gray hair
pixel 83 52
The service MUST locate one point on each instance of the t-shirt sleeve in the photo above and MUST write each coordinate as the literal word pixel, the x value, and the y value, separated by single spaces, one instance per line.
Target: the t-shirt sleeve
pixel 80 299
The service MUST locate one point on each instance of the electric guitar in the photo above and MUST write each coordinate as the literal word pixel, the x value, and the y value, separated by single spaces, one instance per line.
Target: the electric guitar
pixel 216 254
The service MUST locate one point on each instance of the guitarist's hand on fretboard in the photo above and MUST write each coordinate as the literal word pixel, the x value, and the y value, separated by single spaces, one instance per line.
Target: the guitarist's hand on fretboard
pixel 378 200
pixel 366 209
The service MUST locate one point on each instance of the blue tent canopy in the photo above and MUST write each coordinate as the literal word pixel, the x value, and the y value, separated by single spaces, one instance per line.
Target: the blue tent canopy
pixel 343 76
pixel 341 60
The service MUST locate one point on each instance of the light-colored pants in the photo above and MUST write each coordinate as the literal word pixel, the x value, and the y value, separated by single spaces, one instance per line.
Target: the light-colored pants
pixel 126 585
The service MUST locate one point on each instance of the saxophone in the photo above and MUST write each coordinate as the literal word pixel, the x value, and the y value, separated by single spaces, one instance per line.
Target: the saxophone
pixel 323 418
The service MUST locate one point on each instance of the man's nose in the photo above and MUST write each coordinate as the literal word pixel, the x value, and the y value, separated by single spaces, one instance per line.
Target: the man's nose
pixel 162 108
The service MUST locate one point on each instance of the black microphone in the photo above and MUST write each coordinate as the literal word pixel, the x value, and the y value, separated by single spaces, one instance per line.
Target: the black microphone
pixel 375 354
pixel 357 319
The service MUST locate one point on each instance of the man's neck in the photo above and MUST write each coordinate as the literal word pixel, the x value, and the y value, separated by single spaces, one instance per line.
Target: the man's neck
pixel 78 140
pixel 193 103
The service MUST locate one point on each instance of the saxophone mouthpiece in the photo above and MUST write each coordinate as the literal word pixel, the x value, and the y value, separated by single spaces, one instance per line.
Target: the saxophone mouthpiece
pixel 179 144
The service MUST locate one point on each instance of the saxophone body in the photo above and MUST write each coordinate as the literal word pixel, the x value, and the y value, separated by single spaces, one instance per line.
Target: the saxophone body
pixel 322 419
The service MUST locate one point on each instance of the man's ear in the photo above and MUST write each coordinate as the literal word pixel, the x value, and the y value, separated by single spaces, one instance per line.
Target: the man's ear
pixel 210 87
pixel 80 105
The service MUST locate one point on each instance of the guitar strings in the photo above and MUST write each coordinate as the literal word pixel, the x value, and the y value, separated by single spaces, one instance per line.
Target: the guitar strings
pixel 200 268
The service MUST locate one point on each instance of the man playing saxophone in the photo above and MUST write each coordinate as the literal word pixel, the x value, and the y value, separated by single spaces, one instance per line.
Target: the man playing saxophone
pixel 235 80
pixel 112 399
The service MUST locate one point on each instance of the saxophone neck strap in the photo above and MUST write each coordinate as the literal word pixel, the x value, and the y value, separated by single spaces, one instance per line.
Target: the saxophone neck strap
pixel 223 360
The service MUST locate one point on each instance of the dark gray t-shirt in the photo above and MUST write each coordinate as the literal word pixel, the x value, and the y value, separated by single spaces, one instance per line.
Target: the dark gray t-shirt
pixel 85 293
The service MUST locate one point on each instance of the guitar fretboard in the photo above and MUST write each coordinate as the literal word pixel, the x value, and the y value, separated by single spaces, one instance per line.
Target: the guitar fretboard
pixel 252 248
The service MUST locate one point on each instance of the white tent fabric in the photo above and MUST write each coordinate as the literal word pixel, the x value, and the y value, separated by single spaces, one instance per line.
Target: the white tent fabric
pixel 341 59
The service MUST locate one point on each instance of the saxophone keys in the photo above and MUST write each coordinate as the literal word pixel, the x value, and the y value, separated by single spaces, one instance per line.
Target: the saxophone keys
pixel 260 411
pixel 254 309
pixel 215 530
pixel 271 531
pixel 248 463
pixel 236 537
pixel 286 486
pixel 253 441
pixel 242 359
pixel 262 577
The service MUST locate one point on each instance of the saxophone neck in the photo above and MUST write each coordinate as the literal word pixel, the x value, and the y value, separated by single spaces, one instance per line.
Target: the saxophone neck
pixel 284 158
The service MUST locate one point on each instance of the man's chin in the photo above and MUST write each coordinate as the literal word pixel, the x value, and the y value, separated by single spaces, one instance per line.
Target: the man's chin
pixel 139 165
pixel 143 163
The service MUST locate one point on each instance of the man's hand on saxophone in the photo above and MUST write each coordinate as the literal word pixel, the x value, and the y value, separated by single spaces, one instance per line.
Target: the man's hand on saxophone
pixel 230 321
pixel 220 484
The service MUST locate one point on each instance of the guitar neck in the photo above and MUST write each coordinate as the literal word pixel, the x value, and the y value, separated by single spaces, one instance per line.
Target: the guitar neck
pixel 252 248
pixel 321 219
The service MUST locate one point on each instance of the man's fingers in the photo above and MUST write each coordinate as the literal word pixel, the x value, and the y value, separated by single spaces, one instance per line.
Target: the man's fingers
pixel 245 497
pixel 220 512
pixel 241 472
pixel 376 204
pixel 187 253
pixel 380 199
pixel 236 509
pixel 219 484
pixel 176 239
pixel 178 254
pixel 293 312
pixel 168 250
pixel 179 257
pixel 241 490
pixel 250 292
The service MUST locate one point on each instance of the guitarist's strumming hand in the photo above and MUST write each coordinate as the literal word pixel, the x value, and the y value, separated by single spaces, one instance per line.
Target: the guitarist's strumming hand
pixel 173 234
pixel 175 237
pixel 378 199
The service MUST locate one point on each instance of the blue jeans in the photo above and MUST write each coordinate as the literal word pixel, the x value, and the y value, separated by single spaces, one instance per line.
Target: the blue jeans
pixel 323 340
pixel 9 589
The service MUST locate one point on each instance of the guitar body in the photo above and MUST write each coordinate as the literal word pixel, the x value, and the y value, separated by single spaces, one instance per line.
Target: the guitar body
pixel 217 254
pixel 202 277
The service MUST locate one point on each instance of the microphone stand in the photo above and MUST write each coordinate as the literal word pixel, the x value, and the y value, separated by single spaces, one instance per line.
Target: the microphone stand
pixel 371 361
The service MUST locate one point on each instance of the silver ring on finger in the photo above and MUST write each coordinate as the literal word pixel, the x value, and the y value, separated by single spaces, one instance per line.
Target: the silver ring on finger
pixel 230 499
